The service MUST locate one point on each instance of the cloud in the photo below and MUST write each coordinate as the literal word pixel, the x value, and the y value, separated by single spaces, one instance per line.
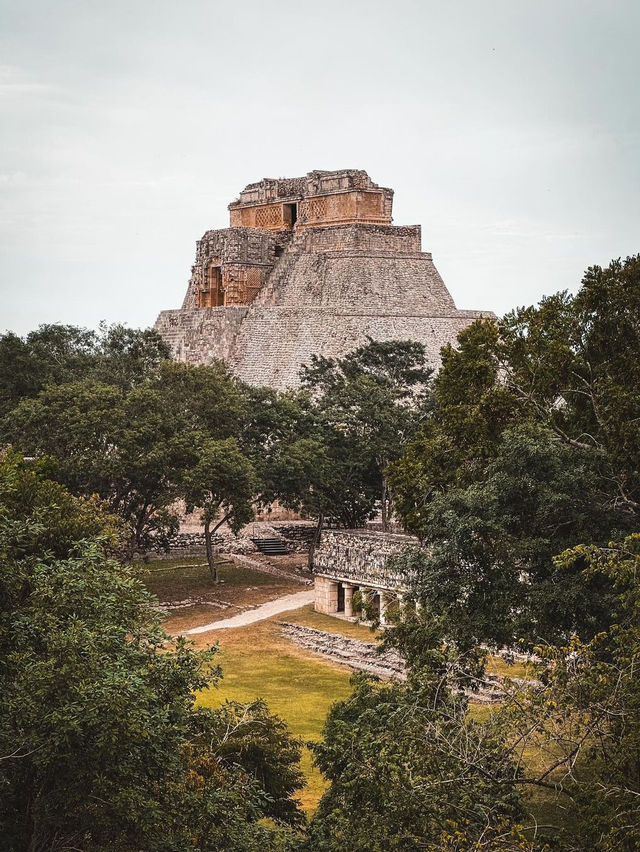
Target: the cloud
pixel 16 83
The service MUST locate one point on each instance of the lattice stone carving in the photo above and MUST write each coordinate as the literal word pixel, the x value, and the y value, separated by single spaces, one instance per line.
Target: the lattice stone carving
pixel 316 209
pixel 267 217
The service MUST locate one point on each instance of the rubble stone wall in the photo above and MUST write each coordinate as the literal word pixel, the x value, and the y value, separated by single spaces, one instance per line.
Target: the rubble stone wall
pixel 184 545
pixel 361 558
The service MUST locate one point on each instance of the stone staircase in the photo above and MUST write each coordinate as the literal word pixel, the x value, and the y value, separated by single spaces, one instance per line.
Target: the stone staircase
pixel 279 275
pixel 271 546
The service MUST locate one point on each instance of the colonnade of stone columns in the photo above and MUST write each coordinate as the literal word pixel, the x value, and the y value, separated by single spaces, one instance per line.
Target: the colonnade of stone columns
pixel 327 597
pixel 348 599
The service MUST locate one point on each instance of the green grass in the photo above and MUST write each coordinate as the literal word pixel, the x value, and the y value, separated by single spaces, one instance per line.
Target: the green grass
pixel 175 579
pixel 308 617
pixel 259 662
pixel 499 666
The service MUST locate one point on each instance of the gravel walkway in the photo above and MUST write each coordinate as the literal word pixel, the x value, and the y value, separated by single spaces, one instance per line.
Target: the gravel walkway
pixel 266 610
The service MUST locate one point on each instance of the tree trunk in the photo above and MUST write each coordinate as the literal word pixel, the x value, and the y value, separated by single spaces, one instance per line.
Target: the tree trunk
pixel 315 540
pixel 385 505
pixel 211 556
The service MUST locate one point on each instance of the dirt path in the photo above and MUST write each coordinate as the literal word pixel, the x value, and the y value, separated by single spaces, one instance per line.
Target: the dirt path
pixel 266 610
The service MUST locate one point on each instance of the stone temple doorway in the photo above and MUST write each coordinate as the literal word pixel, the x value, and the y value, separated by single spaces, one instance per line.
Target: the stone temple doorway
pixel 290 214
pixel 340 597
pixel 212 295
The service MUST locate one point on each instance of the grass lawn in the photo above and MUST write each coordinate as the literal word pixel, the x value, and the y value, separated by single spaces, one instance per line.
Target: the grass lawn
pixel 259 662
pixel 499 666
pixel 176 579
pixel 189 579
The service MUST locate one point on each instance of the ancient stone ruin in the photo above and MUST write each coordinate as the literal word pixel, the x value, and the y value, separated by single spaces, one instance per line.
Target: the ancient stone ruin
pixel 309 265
pixel 348 561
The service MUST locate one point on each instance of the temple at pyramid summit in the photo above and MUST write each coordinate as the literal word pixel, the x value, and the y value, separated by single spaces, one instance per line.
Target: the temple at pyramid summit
pixel 309 265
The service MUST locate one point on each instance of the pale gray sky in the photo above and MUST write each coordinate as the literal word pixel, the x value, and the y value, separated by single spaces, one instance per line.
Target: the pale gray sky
pixel 510 129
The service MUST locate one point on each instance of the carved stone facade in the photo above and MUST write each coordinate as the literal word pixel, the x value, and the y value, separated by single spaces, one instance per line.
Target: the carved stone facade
pixel 309 266
pixel 319 198
pixel 347 561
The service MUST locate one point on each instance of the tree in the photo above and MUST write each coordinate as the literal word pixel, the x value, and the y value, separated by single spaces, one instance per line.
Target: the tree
pixel 222 484
pixel 60 354
pixel 531 449
pixel 408 770
pixel 573 363
pixel 487 564
pixel 130 445
pixel 250 736
pixel 326 475
pixel 124 446
pixel 127 356
pixel 375 395
pixel 205 399
pixel 101 745
pixel 581 717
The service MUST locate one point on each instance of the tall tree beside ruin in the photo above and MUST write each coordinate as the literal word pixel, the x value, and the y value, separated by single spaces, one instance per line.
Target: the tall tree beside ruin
pixel 324 475
pixel 130 444
pixel 222 484
pixel 124 446
pixel 532 449
pixel 58 354
pixel 376 396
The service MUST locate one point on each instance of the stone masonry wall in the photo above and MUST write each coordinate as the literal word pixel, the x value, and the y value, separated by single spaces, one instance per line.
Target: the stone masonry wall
pixel 359 558
pixel 326 600
pixel 313 291
pixel 372 238
pixel 201 335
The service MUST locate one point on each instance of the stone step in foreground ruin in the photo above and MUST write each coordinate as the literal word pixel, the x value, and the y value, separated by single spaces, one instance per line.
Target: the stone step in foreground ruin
pixel 309 265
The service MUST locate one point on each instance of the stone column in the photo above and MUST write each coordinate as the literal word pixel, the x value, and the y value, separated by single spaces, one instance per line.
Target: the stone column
pixel 326 595
pixel 348 599
pixel 365 597
pixel 383 608
pixel 332 597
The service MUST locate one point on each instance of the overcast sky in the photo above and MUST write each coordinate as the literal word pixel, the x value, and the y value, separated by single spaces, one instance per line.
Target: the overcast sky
pixel 509 129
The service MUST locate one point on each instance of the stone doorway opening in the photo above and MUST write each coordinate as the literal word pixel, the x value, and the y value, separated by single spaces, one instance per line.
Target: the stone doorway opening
pixel 290 214
pixel 212 296
pixel 340 597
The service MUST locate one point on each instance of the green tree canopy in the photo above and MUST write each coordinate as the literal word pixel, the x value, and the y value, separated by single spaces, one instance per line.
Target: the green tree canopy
pixel 58 354
pixel 101 745
pixel 532 448
pixel 374 399
pixel 130 445
pixel 222 484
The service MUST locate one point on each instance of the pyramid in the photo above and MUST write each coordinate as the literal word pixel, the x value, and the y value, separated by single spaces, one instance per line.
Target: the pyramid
pixel 309 266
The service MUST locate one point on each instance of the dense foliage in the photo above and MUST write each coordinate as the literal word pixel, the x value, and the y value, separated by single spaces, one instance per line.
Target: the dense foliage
pixel 532 449
pixel 372 400
pixel 408 771
pixel 523 486
pixel 101 744
pixel 130 444
pixel 518 469
pixel 59 354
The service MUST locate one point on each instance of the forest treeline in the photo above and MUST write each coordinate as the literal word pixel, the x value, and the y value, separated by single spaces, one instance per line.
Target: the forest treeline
pixel 517 467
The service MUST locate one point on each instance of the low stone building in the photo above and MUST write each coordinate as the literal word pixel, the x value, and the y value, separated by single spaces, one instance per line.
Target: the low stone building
pixel 309 265
pixel 347 561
